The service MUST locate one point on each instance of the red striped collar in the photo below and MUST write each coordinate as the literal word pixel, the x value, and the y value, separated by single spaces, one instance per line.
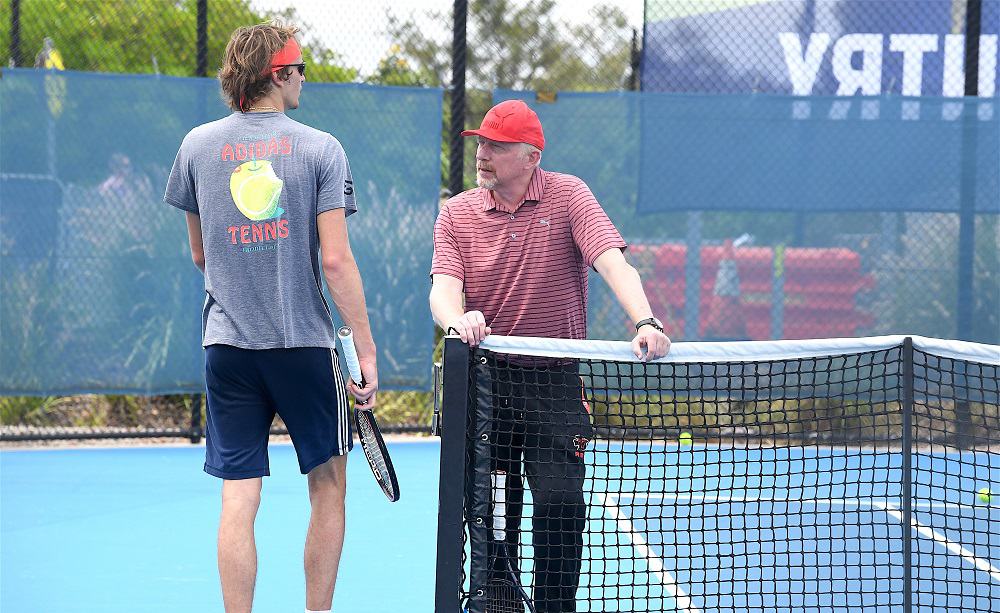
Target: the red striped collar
pixel 536 187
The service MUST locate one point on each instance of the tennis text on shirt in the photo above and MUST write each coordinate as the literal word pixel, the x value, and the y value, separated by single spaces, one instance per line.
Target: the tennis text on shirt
pixel 264 188
pixel 258 182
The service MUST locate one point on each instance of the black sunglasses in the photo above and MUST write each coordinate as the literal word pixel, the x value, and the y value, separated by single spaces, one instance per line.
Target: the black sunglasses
pixel 300 67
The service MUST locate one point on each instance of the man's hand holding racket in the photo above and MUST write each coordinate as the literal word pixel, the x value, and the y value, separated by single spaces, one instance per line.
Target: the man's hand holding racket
pixel 365 396
pixel 366 426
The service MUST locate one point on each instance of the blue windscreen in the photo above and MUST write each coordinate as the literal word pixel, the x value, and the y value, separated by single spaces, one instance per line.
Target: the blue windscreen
pixel 97 289
pixel 757 152
pixel 851 207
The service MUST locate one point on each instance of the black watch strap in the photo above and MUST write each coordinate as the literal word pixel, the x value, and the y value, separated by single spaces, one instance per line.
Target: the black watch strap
pixel 649 321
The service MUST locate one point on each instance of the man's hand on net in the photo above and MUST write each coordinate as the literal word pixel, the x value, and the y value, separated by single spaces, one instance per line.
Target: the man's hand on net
pixel 650 344
pixel 471 327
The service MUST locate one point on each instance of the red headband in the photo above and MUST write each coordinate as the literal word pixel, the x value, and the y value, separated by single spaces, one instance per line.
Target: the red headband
pixel 288 54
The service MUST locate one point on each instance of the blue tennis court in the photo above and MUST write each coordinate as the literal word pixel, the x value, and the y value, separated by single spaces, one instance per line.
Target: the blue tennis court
pixel 133 529
pixel 789 529
pixel 793 529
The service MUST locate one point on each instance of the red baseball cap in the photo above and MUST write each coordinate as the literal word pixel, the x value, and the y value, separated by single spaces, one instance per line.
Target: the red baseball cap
pixel 511 121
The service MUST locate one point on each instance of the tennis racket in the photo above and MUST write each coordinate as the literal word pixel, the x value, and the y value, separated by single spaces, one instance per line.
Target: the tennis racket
pixel 368 430
pixel 504 592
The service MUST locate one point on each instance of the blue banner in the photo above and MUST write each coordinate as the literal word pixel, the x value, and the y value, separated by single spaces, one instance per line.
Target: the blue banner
pixel 815 47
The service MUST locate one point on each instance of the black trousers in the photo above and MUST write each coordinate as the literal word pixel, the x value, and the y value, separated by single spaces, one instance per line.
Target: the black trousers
pixel 540 432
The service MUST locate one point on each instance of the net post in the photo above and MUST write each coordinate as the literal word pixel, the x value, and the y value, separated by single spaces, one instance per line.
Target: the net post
pixel 451 488
pixel 907 493
pixel 480 492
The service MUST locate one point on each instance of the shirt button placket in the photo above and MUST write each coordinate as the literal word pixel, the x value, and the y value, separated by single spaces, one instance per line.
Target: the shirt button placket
pixel 511 226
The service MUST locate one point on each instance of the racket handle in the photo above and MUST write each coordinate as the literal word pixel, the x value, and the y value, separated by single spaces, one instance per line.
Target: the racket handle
pixel 346 336
pixel 499 505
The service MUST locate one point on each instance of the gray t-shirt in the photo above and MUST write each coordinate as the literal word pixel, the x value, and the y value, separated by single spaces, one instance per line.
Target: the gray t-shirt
pixel 258 181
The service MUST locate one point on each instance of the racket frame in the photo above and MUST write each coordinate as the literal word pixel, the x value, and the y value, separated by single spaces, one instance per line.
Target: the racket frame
pixel 373 445
pixel 498 531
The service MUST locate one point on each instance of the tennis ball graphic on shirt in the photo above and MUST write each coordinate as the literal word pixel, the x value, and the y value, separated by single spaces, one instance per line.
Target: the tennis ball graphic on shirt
pixel 256 190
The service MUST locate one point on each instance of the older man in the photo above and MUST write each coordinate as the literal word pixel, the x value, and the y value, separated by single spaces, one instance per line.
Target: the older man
pixel 519 247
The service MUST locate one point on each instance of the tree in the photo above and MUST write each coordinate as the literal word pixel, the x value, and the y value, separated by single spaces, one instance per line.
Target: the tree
pixel 516 45
pixel 524 46
pixel 394 69
pixel 148 36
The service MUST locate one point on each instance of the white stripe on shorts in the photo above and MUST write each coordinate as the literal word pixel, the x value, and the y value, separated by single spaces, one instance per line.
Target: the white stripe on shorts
pixel 343 414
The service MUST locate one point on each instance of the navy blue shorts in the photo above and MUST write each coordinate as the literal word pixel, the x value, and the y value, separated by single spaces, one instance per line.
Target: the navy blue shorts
pixel 246 387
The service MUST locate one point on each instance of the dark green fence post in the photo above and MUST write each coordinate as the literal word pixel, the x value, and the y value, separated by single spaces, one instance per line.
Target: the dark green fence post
pixel 967 194
pixel 967 201
pixel 201 69
pixel 456 158
pixel 195 432
pixel 15 32
pixel 635 62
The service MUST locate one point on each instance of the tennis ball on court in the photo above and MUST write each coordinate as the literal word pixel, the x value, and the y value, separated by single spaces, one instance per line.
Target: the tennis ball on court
pixel 985 495
pixel 685 438
pixel 256 189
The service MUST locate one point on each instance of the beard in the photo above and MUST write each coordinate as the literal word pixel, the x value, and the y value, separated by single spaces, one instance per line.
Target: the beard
pixel 485 183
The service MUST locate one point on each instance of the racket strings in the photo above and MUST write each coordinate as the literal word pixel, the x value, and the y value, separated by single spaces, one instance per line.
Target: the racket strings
pixel 374 452
pixel 502 597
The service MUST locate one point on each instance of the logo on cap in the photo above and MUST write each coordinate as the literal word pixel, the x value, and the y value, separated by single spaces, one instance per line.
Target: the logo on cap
pixel 496 122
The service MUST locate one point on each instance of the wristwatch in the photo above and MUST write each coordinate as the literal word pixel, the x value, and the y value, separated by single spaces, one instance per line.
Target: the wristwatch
pixel 649 321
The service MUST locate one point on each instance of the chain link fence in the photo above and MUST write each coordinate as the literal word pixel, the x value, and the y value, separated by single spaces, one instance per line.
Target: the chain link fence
pixel 550 45
pixel 593 71
pixel 828 137
pixel 97 282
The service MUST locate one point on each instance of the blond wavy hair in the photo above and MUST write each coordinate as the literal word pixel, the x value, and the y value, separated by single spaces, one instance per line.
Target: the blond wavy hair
pixel 245 75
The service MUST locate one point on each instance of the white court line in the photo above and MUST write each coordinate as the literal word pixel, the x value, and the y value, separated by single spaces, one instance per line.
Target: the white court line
pixel 654 562
pixel 951 546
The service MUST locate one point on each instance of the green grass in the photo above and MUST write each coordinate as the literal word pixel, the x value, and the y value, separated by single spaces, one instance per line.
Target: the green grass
pixel 154 412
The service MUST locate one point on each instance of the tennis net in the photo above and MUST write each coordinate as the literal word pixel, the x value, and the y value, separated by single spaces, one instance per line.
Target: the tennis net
pixel 784 476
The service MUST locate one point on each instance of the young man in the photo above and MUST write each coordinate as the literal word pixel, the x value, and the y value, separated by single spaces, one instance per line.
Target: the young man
pixel 519 247
pixel 265 197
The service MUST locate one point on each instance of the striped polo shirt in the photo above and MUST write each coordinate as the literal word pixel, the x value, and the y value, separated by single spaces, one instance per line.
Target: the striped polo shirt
pixel 525 267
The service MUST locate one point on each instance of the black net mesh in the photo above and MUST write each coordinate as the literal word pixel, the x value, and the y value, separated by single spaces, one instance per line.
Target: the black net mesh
pixel 841 259
pixel 852 481
pixel 956 469
pixel 96 272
